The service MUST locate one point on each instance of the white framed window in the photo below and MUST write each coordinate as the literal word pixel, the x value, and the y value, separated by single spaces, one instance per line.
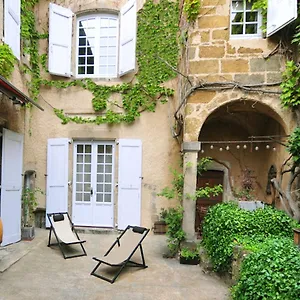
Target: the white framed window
pixel 97 45
pixel 244 22
pixel 105 42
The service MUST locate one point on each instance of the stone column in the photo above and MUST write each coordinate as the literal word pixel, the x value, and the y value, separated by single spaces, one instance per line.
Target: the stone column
pixel 190 150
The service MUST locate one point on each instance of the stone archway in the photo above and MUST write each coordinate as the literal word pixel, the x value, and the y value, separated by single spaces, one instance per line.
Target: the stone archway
pixel 227 119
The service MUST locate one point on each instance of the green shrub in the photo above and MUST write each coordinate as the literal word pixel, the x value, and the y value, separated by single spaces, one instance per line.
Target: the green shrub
pixel 7 61
pixel 175 233
pixel 270 272
pixel 226 224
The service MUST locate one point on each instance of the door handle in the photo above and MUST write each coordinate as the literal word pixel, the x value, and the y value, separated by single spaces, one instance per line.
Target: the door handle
pixel 91 191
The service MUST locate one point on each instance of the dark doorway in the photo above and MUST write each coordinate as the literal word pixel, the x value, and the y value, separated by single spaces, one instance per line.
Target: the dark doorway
pixel 208 178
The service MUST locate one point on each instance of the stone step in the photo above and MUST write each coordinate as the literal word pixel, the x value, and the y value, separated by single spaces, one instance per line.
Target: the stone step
pixel 96 230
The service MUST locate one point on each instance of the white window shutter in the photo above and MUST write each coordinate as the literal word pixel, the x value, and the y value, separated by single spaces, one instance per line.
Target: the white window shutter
pixel 57 176
pixel 60 40
pixel 130 182
pixel 127 37
pixel 280 14
pixel 12 21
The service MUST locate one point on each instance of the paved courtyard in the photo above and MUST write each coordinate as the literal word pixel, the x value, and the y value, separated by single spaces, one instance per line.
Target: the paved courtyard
pixel 34 271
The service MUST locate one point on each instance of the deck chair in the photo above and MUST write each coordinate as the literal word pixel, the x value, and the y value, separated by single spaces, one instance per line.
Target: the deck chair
pixel 121 252
pixel 65 233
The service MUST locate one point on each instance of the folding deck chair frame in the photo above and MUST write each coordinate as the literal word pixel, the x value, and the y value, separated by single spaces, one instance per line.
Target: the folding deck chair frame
pixel 59 242
pixel 128 262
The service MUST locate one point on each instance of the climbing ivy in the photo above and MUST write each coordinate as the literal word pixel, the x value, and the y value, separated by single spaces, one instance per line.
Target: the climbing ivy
pixel 7 61
pixel 191 8
pixel 156 47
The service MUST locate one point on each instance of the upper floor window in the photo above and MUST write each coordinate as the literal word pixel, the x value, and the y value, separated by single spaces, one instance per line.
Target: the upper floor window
pixel 97 46
pixel 244 22
pixel 105 43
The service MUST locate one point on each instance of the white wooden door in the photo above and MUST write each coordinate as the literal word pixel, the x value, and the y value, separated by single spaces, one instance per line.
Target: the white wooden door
pixel 11 186
pixel 93 178
pixel 130 178
pixel 57 176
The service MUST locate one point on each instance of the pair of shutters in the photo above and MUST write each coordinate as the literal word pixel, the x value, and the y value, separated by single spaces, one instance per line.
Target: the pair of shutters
pixel 129 179
pixel 60 39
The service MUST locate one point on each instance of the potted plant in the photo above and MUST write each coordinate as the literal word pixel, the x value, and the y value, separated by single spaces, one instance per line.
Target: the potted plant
pixel 160 226
pixel 29 203
pixel 189 256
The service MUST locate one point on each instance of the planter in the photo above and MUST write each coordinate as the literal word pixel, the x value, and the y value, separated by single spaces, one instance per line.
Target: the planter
pixel 27 233
pixel 160 227
pixel 189 260
pixel 251 205
pixel 297 236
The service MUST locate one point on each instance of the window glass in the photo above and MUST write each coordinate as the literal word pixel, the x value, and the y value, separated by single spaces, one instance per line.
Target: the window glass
pixel 97 43
pixel 244 20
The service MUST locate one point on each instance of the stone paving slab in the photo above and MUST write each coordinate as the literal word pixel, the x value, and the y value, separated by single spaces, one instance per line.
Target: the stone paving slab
pixel 42 273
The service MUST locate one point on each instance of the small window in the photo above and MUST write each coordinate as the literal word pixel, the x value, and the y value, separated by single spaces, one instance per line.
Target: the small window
pixel 244 22
pixel 97 46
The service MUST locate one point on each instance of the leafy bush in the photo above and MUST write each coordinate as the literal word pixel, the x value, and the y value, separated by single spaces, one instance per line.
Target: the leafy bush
pixel 226 224
pixel 270 272
pixel 175 233
pixel 7 61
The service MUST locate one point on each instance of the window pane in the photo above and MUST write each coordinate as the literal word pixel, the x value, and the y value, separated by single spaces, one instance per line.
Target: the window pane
pixel 88 158
pixel 87 187
pixel 100 177
pixel 237 29
pixel 111 70
pixel 78 197
pixel 79 148
pixel 81 61
pixel 79 187
pixel 81 70
pixel 251 29
pixel 237 17
pixel 100 158
pixel 79 178
pixel 81 51
pixel 88 149
pixel 238 5
pixel 87 168
pixel 108 159
pixel 108 149
pixel 107 188
pixel 100 188
pixel 99 198
pixel 107 198
pixel 82 41
pixel 251 16
pixel 79 167
pixel 87 177
pixel 103 41
pixel 86 197
pixel 90 60
pixel 90 70
pixel 79 158
pixel 112 60
pixel 108 169
pixel 101 149
pixel 108 178
pixel 100 168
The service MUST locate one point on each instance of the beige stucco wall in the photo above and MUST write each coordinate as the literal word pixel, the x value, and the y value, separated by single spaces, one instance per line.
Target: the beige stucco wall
pixel 160 149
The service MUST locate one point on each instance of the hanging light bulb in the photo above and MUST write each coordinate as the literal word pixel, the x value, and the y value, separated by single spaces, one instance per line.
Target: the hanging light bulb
pixel 256 148
pixel 227 148
pixel 274 149
pixel 245 146
pixel 211 146
pixel 202 151
pixel 238 146
pixel 221 149
pixel 267 146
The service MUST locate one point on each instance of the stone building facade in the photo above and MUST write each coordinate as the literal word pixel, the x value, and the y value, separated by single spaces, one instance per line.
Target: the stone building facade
pixel 232 103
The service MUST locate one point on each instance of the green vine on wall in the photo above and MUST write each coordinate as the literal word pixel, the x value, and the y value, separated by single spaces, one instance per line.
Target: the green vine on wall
pixel 7 61
pixel 191 8
pixel 156 41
